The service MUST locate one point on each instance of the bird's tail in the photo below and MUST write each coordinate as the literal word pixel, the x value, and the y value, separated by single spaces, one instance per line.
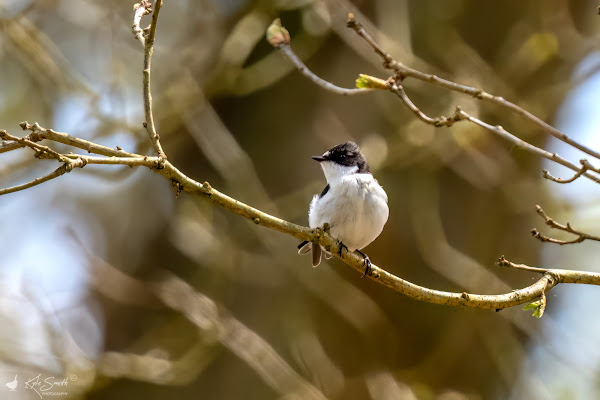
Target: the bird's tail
pixel 307 246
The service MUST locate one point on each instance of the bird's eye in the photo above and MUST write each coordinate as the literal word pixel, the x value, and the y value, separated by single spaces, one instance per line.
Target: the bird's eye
pixel 342 156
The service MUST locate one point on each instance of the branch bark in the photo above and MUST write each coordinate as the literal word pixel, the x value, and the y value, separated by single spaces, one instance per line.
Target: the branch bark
pixel 148 51
pixel 581 236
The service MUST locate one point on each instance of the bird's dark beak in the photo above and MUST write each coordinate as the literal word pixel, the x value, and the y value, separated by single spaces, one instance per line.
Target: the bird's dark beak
pixel 319 158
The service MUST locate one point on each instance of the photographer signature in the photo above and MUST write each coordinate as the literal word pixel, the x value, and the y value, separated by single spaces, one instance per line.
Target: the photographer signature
pixel 40 386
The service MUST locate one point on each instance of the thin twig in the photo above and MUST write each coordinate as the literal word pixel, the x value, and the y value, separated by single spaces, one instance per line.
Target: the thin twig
pixel 141 9
pixel 289 53
pixel 402 72
pixel 500 131
pixel 581 236
pixel 279 38
pixel 585 166
pixel 503 262
pixel 435 121
pixel 40 149
pixel 63 169
pixel 39 133
pixel 148 51
pixel 138 161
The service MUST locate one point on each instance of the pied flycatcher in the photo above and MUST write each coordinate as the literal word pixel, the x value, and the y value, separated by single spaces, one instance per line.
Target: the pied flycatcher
pixel 353 203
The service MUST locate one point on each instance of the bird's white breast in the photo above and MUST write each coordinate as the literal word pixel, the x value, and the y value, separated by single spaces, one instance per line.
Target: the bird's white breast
pixel 355 207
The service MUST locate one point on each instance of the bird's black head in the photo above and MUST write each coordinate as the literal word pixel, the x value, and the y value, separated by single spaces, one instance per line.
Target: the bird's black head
pixel 347 154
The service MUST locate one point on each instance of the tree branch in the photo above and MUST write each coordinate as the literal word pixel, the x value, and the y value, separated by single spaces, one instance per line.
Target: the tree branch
pixel 163 167
pixel 500 131
pixel 141 9
pixel 398 90
pixel 279 38
pixel 40 149
pixel 585 166
pixel 39 133
pixel 63 169
pixel 402 72
pixel 565 228
pixel 148 51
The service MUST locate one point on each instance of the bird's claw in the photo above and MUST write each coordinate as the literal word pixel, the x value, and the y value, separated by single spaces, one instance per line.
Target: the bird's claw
pixel 366 260
pixel 341 247
pixel 367 263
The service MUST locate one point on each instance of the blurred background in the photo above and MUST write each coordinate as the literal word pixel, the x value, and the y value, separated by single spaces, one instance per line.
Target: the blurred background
pixel 118 289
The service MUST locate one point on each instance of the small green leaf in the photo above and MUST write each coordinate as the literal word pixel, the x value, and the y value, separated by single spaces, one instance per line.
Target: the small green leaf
pixel 532 306
pixel 370 82
pixel 538 307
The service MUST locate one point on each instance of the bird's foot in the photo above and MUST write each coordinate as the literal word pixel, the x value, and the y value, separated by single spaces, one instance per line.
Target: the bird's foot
pixel 341 247
pixel 366 262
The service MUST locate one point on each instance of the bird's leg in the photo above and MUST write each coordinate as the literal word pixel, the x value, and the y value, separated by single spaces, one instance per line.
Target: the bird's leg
pixel 367 263
pixel 341 247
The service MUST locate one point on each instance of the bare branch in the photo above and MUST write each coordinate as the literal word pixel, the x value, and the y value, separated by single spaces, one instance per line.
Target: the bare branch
pixel 501 301
pixel 289 53
pixel 503 262
pixel 141 9
pixel 148 51
pixel 279 38
pixel 63 169
pixel 565 228
pixel 436 121
pixel 392 85
pixel 402 72
pixel 354 260
pixel 585 166
pixel 39 133
pixel 500 131
pixel 40 149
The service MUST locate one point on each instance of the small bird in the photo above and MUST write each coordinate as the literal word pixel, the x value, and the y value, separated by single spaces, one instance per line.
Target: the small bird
pixel 12 385
pixel 353 203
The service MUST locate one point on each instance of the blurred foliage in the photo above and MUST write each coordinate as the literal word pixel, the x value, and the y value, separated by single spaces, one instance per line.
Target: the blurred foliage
pixel 245 317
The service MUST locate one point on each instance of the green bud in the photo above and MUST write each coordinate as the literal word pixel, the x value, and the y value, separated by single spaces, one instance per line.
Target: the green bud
pixel 370 82
pixel 277 34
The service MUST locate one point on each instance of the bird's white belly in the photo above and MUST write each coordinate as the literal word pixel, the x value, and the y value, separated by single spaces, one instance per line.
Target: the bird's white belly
pixel 356 209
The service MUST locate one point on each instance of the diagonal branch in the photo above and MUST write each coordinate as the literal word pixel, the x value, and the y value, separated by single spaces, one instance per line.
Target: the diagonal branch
pixel 581 236
pixel 398 90
pixel 279 38
pixel 503 133
pixel 585 166
pixel 500 301
pixel 39 133
pixel 281 41
pixel 40 149
pixel 550 279
pixel 402 72
pixel 63 169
